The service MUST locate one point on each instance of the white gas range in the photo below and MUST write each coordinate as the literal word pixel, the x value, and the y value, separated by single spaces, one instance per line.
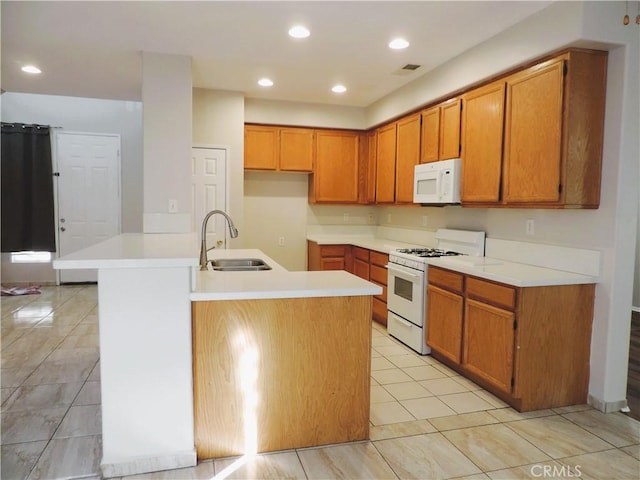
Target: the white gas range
pixel 407 283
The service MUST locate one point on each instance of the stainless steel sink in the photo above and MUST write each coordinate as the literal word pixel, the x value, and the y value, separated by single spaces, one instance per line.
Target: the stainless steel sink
pixel 239 265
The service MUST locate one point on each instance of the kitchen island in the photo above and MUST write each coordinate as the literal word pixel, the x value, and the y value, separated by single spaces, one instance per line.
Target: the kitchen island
pixel 146 286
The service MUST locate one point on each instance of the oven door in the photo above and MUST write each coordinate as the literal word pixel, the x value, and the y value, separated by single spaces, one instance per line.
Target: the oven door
pixel 406 293
pixel 426 186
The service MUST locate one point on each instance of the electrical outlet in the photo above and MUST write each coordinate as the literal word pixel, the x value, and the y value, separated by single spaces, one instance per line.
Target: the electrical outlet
pixel 173 205
pixel 424 220
pixel 371 218
pixel 345 217
pixel 281 241
pixel 530 226
pixel 388 218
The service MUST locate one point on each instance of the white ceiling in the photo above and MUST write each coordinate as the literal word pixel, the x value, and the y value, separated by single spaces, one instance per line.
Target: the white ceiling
pixel 92 49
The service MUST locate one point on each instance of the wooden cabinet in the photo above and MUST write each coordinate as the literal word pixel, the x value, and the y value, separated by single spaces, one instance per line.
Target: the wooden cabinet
pixel 551 139
pixel 444 313
pixel 328 257
pixel 440 131
pixel 386 164
pixel 528 345
pixel 360 262
pixel 378 275
pixel 335 176
pixel 278 148
pixel 407 156
pixel 367 168
pixel 367 264
pixel 482 135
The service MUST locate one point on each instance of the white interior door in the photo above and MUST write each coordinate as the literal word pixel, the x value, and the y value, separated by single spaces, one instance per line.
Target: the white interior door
pixel 209 192
pixel 88 195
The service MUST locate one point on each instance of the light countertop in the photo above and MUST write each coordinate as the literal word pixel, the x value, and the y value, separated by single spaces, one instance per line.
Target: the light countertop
pixel 383 245
pixel 509 272
pixel 275 283
pixel 136 250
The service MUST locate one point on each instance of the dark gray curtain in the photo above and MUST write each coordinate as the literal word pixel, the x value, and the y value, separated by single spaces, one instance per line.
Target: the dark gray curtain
pixel 27 189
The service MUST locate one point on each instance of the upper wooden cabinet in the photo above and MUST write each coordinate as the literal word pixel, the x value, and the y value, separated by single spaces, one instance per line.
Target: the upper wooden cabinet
pixel 407 156
pixel 482 134
pixel 386 164
pixel 440 134
pixel 278 148
pixel 335 176
pixel 551 138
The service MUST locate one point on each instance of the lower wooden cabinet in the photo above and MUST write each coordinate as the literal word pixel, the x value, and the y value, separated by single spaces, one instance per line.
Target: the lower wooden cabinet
pixel 444 329
pixel 367 264
pixel 528 345
pixel 328 257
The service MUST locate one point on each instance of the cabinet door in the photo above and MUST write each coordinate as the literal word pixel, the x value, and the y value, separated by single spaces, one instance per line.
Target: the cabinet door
pixel 296 149
pixel 332 263
pixel 407 156
pixel 444 322
pixel 335 178
pixel 386 164
pixel 260 147
pixel 371 167
pixel 450 129
pixel 483 125
pixel 430 138
pixel 488 343
pixel 533 135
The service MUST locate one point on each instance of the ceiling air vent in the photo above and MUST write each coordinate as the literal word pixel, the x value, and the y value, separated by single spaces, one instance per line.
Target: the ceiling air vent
pixel 407 69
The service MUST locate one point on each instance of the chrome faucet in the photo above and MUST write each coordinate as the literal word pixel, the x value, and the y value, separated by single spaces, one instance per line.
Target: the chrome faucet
pixel 233 231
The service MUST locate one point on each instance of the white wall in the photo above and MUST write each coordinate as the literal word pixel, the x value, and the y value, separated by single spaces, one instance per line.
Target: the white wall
pixel 218 119
pixel 166 95
pixel 275 206
pixel 82 115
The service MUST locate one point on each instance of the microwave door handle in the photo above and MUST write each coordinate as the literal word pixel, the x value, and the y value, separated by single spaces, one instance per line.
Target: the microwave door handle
pixel 440 184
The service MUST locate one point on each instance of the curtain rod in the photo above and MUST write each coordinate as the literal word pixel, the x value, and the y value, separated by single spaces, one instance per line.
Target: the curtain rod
pixel 5 124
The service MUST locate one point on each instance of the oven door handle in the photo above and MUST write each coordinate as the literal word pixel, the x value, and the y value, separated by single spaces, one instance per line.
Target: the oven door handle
pixel 393 268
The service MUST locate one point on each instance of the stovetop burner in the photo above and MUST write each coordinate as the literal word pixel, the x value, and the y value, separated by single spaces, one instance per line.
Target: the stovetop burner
pixel 428 252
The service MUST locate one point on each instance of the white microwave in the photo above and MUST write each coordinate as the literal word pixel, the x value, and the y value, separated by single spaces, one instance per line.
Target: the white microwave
pixel 437 182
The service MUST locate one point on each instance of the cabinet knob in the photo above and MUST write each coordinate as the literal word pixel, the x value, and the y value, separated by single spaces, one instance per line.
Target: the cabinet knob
pixel 219 243
pixel 62 229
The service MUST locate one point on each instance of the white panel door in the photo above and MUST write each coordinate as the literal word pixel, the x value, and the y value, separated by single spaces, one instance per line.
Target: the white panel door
pixel 209 192
pixel 88 195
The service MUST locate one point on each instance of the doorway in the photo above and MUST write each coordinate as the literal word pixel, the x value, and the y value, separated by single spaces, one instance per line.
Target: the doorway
pixel 209 192
pixel 88 195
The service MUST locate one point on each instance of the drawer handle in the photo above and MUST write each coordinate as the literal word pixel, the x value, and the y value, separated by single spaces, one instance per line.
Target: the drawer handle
pixel 402 321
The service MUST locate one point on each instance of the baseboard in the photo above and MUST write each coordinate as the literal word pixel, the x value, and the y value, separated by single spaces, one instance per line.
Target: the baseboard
pixel 137 465
pixel 606 407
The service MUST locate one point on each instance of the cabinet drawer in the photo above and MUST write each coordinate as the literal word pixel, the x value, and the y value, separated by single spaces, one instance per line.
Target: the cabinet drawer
pixel 495 293
pixel 383 296
pixel 361 268
pixel 378 274
pixel 445 278
pixel 361 254
pixel 378 258
pixel 332 250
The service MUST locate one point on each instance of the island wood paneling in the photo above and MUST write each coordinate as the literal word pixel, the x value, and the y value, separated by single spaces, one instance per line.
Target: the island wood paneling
pixel 276 374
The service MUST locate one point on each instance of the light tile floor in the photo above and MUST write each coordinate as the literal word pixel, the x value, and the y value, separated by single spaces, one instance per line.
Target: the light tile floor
pixel 427 422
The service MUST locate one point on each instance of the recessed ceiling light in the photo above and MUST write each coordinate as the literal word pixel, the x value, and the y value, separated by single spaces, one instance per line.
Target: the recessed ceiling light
pixel 398 44
pixel 265 82
pixel 298 31
pixel 31 69
pixel 339 89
